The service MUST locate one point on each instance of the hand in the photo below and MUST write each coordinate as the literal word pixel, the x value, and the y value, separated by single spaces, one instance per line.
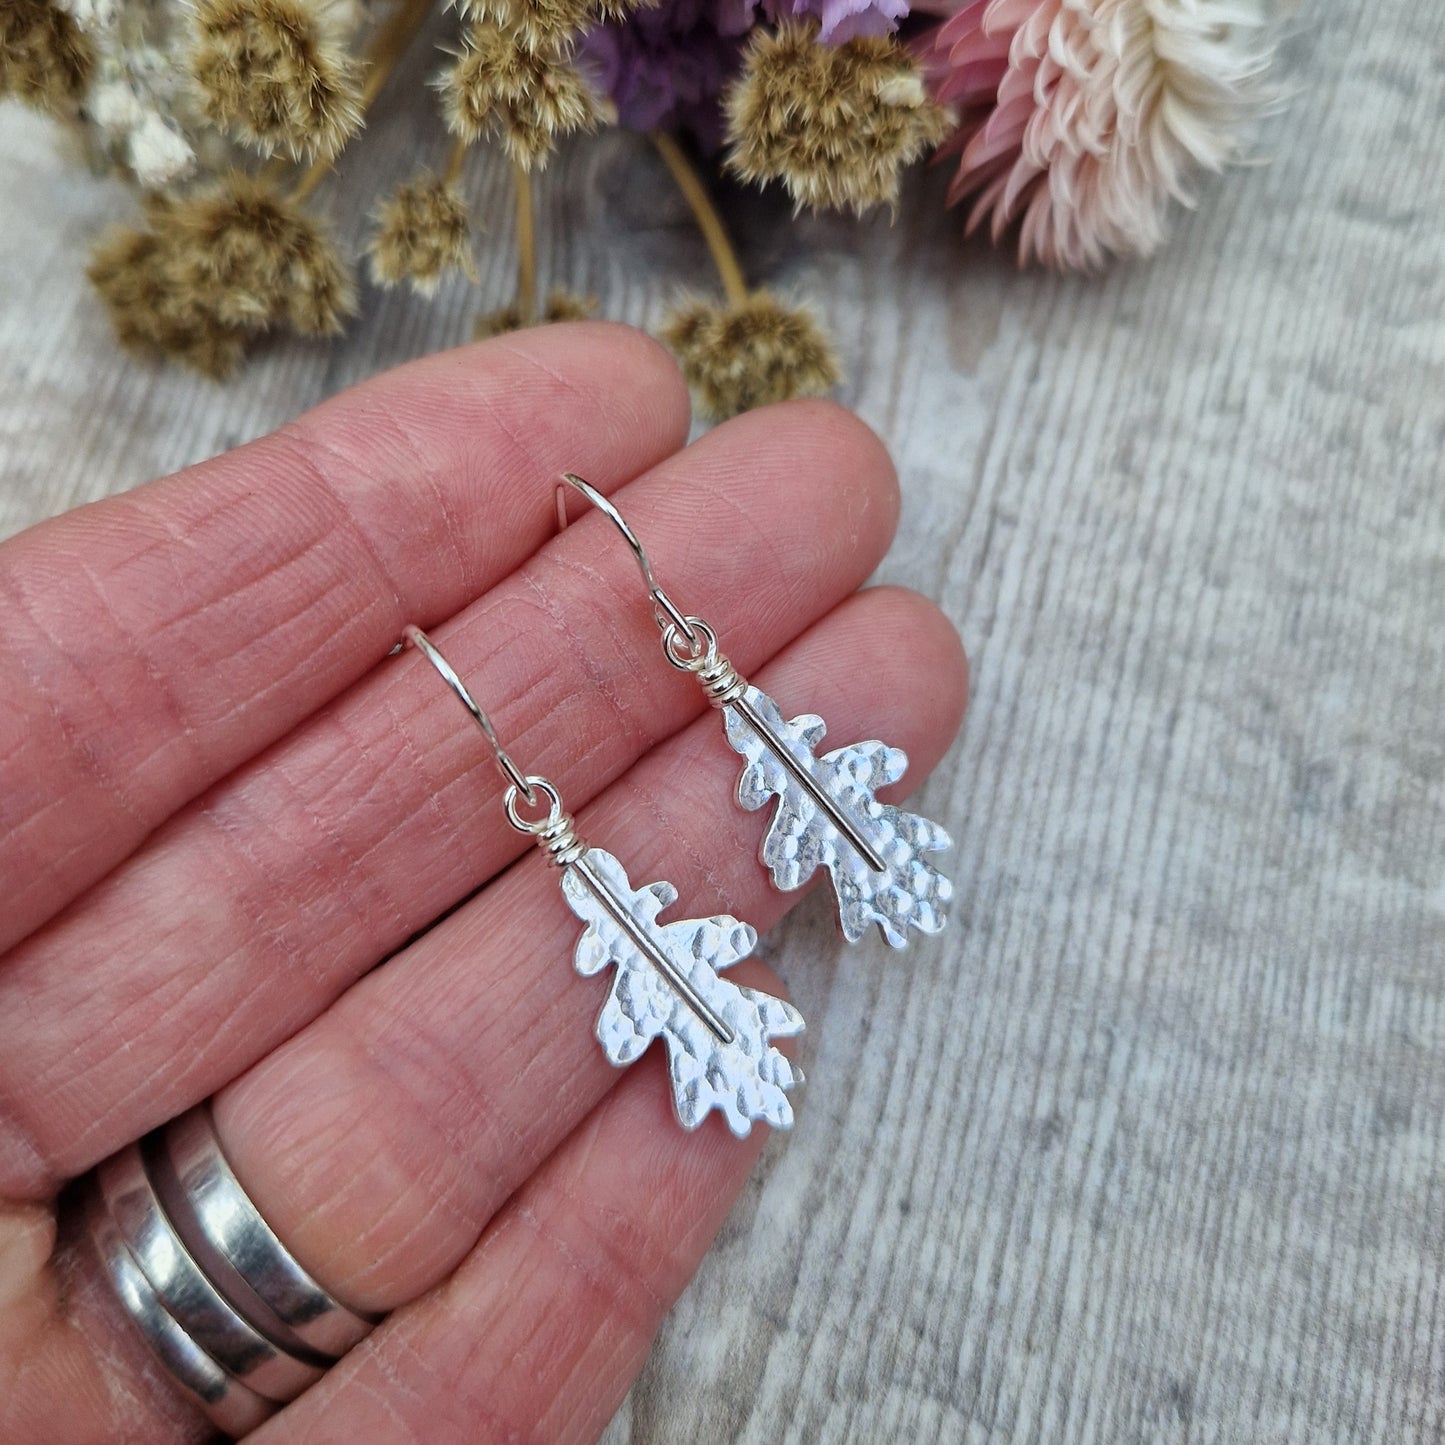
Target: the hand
pixel 229 827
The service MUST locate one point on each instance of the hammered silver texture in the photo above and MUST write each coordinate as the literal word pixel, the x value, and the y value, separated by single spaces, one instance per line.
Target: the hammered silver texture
pixel 911 893
pixel 744 1078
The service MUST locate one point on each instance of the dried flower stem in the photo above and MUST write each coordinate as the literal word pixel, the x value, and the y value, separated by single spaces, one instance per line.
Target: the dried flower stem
pixel 387 47
pixel 526 246
pixel 724 256
pixel 455 160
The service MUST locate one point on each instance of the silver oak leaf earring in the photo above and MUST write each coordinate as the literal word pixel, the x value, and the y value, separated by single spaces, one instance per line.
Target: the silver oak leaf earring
pixel 666 980
pixel 827 813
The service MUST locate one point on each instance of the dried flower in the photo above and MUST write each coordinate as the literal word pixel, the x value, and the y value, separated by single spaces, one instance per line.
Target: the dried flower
pixel 423 232
pixel 530 97
pixel 537 24
pixel 253 258
pixel 91 14
pixel 749 353
pixel 841 20
pixel 271 74
pixel 45 60
pixel 208 272
pixel 666 67
pixel 150 314
pixel 154 150
pixel 1084 119
pixel 834 124
pixel 561 306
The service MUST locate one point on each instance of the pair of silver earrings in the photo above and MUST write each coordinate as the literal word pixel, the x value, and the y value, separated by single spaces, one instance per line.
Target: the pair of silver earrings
pixel 718 1034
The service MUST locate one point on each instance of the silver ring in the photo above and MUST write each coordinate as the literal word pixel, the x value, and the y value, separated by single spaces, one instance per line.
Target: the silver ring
pixel 188 1296
pixel 231 1225
pixel 228 1404
pixel 228 1310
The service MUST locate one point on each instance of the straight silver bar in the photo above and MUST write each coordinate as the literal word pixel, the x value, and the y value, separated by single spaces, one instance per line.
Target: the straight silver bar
pixel 650 951
pixel 809 784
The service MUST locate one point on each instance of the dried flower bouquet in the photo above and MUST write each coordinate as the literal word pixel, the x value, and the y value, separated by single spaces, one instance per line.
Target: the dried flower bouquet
pixel 1077 123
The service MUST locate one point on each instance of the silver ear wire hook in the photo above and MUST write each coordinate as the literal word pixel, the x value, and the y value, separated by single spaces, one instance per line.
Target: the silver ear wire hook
pixel 554 833
pixel 664 608
pixel 509 770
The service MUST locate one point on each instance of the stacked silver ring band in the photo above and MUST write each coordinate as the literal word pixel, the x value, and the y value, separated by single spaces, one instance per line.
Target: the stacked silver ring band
pixel 237 1322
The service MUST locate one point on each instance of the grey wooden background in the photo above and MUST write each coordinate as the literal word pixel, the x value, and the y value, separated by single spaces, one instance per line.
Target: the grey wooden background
pixel 1151 1147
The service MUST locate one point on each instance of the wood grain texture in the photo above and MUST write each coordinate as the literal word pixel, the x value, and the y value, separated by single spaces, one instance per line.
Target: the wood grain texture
pixel 1150 1147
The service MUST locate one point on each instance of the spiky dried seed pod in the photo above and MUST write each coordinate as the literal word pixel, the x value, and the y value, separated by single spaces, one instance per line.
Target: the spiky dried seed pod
pixel 539 23
pixel 835 124
pixel 208 272
pixel 536 24
pixel 45 58
pixel 738 356
pixel 150 316
pixel 254 259
pixel 528 97
pixel 423 232
pixel 271 75
pixel 561 306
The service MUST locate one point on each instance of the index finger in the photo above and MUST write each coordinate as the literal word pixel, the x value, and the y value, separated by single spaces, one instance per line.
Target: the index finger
pixel 152 642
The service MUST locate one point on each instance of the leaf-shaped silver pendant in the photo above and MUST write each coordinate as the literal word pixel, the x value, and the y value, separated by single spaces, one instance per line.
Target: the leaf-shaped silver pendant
pixel 827 816
pixel 666 983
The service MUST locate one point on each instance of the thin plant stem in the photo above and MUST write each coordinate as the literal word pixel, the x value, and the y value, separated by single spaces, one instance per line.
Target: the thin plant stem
pixel 387 47
pixel 526 246
pixel 724 256
pixel 455 159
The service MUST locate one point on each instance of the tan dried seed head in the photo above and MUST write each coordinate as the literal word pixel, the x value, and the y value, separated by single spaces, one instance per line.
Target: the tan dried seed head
pixel 835 124
pixel 270 75
pixel 736 357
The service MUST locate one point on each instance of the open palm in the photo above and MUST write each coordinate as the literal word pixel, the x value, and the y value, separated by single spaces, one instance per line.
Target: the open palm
pixel 229 825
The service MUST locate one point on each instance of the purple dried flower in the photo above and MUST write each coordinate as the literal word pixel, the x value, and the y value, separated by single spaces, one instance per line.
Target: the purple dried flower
pixel 842 20
pixel 665 67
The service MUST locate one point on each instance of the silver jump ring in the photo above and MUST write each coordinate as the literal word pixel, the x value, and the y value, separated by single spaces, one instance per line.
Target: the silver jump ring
pixel 534 785
pixel 701 646
pixel 428 649
pixel 553 831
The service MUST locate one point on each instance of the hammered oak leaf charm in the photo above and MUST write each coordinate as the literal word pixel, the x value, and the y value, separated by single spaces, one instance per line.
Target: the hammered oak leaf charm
pixel 666 983
pixel 822 799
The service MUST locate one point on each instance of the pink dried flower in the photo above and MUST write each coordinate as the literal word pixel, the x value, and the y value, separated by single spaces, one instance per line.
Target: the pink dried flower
pixel 1085 119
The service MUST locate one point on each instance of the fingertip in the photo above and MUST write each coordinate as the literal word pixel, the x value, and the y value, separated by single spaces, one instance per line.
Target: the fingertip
pixel 614 357
pixel 835 464
pixel 917 629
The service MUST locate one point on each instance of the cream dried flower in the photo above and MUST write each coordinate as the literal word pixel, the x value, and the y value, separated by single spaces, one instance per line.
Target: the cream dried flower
pixel 835 124
pixel 1085 119
pixel 273 74
pixel 529 97
pixel 153 149
pixel 742 354
pixel 423 232
pixel 91 14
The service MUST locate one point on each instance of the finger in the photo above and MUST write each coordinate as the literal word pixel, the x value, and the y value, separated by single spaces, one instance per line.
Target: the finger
pixel 155 640
pixel 383 1137
pixel 542 1330
pixel 260 903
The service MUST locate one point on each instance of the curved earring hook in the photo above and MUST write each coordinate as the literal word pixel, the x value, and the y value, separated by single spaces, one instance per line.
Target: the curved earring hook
pixel 662 604
pixel 513 774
